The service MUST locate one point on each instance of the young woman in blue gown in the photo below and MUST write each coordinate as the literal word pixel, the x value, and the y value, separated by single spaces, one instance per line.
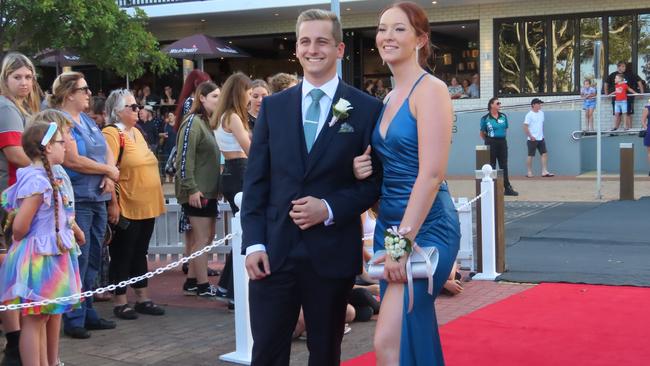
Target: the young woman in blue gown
pixel 412 140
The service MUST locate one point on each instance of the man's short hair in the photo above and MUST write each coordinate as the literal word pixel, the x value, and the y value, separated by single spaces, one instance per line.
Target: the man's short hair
pixel 320 14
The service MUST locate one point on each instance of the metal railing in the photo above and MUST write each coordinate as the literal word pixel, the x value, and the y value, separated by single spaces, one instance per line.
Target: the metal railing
pixel 132 3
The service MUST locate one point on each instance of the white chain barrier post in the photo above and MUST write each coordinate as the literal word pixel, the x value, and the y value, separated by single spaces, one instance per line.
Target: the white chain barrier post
pixel 466 252
pixel 243 337
pixel 487 224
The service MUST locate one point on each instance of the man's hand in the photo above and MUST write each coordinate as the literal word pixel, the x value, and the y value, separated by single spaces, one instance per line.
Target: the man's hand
pixel 362 165
pixel 253 262
pixel 308 211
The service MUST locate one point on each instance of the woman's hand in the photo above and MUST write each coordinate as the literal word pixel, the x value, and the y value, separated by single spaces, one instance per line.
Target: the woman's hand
pixel 113 212
pixel 112 172
pixel 107 186
pixel 79 235
pixel 453 286
pixel 195 199
pixel 362 165
pixel 395 271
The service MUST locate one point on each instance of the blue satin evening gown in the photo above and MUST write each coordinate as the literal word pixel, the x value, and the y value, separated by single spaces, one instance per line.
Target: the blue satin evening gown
pixel 420 342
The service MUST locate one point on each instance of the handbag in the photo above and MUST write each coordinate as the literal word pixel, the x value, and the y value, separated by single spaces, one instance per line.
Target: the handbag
pixel 642 133
pixel 421 264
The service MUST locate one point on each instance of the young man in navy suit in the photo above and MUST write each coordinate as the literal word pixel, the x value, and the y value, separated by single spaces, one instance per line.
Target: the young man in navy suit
pixel 302 204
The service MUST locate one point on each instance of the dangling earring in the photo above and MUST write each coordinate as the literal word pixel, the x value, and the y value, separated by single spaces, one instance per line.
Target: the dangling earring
pixel 383 62
pixel 417 55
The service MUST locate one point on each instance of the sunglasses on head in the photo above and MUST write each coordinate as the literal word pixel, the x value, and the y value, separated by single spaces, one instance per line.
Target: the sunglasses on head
pixel 134 107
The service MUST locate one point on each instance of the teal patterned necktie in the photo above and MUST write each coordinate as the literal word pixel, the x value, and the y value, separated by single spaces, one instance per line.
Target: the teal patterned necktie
pixel 310 126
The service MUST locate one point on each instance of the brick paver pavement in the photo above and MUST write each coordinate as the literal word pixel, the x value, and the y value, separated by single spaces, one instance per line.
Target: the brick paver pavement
pixel 196 331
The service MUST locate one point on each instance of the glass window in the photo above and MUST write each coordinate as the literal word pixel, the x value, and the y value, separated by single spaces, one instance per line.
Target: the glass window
pixel 591 30
pixel 456 57
pixel 534 42
pixel 620 39
pixel 562 55
pixel 509 59
pixel 643 60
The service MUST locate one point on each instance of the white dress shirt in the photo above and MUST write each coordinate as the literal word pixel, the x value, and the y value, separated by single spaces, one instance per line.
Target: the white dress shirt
pixel 329 88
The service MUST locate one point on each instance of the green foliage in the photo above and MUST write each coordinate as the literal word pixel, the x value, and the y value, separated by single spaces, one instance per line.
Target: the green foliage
pixel 99 30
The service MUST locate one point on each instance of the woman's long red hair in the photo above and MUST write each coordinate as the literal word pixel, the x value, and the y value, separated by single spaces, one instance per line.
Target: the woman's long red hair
pixel 194 78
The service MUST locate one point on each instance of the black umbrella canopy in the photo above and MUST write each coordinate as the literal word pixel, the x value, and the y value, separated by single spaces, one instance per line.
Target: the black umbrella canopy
pixel 63 57
pixel 200 46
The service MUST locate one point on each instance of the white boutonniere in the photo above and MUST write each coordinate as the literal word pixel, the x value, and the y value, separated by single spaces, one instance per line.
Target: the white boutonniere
pixel 340 111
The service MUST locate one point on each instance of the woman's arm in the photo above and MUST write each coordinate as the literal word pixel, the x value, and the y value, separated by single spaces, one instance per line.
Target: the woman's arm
pixel 237 128
pixel 84 165
pixel 434 121
pixel 644 118
pixel 23 220
pixel 16 156
pixel 186 155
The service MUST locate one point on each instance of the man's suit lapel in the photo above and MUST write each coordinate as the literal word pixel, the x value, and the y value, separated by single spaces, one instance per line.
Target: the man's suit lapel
pixel 295 130
pixel 326 134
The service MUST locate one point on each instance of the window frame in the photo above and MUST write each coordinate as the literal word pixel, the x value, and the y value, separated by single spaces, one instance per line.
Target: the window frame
pixel 575 19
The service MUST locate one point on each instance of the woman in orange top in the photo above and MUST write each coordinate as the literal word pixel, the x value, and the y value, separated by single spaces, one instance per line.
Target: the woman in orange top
pixel 135 206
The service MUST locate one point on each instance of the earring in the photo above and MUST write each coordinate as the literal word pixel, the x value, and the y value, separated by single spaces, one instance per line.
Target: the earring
pixel 383 62
pixel 417 54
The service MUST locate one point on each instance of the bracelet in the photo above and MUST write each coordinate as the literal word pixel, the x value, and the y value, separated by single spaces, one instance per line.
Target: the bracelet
pixel 396 244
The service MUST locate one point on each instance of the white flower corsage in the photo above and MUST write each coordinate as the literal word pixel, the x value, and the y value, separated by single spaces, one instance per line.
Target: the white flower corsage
pixel 396 244
pixel 340 111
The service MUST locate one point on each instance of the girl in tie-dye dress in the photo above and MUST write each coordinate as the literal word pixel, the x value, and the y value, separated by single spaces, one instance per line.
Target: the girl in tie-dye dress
pixel 42 260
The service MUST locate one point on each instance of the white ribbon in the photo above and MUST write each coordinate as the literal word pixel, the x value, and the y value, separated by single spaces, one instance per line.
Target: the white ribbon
pixel 409 273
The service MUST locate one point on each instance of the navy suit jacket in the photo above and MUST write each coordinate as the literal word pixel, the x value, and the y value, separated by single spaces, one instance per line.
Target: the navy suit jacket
pixel 280 170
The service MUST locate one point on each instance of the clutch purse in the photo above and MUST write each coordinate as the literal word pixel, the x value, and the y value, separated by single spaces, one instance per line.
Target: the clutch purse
pixel 418 264
pixel 421 264
pixel 642 133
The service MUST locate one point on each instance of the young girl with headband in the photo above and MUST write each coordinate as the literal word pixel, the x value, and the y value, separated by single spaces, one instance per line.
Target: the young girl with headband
pixel 42 262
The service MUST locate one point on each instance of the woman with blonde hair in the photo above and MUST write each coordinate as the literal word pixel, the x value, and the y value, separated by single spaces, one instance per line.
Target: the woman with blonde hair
pixel 19 99
pixel 234 139
pixel 260 90
pixel 91 167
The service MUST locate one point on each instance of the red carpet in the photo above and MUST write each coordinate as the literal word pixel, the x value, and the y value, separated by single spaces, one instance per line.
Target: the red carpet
pixel 549 325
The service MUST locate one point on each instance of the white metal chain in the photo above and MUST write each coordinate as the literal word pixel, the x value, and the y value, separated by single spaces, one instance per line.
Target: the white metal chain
pixel 467 204
pixel 101 290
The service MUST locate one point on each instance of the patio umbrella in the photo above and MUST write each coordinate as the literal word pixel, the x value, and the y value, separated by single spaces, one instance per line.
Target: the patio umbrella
pixel 59 58
pixel 200 47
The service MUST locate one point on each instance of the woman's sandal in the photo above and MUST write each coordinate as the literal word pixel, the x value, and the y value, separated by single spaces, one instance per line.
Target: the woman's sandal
pixel 125 312
pixel 148 307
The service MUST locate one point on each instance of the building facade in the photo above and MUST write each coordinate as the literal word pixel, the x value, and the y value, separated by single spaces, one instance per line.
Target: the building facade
pixel 520 49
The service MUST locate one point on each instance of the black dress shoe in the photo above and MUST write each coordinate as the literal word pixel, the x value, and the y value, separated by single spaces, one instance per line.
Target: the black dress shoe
pixel 510 192
pixel 77 332
pixel 101 324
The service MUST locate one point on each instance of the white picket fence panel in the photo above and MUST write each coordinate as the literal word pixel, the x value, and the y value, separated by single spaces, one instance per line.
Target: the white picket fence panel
pixel 167 243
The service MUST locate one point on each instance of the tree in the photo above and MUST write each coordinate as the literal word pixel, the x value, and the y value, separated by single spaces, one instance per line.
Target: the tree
pixel 99 30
